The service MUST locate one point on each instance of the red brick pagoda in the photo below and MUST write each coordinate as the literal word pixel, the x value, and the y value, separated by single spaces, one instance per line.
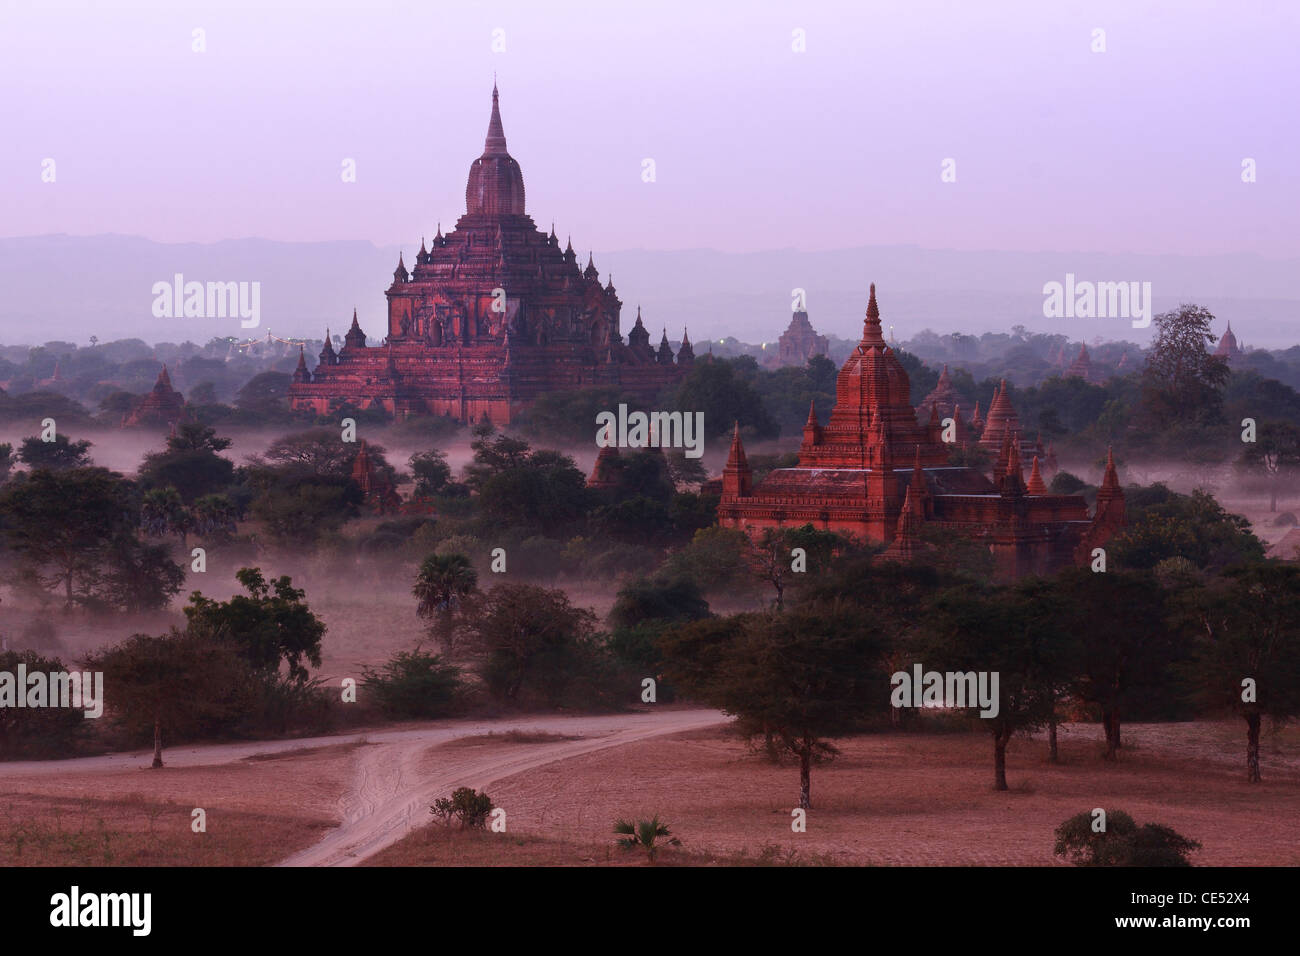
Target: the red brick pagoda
pixel 874 472
pixel 492 315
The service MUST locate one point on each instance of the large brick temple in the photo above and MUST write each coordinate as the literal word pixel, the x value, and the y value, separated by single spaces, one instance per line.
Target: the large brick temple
pixel 876 472
pixel 491 315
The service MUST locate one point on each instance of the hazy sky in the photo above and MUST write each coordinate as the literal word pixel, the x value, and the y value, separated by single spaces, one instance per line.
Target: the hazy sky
pixel 1137 149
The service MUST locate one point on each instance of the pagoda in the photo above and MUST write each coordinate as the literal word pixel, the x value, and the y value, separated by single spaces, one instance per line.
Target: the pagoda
pixel 1228 348
pixel 161 405
pixel 488 317
pixel 876 473
pixel 1081 367
pixel 799 342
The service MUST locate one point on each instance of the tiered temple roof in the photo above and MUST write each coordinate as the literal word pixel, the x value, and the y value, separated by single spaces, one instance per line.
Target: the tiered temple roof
pixel 490 315
pixel 875 472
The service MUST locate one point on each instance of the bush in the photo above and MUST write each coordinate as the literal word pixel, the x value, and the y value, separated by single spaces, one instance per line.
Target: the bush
pixel 415 684
pixel 467 805
pixel 1121 843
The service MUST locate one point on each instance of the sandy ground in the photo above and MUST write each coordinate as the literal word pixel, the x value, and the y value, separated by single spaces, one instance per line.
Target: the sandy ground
pixel 888 799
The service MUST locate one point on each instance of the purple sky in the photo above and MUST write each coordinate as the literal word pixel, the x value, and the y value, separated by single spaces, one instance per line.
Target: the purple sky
pixel 1135 150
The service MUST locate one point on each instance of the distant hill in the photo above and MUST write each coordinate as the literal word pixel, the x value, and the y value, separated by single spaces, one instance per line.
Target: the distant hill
pixel 73 287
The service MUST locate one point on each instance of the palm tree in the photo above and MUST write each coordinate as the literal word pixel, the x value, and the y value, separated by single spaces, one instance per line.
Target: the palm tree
pixel 443 582
pixel 643 834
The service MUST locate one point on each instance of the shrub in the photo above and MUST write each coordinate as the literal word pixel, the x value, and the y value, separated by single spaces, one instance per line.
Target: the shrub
pixel 1121 843
pixel 644 834
pixel 467 805
pixel 415 684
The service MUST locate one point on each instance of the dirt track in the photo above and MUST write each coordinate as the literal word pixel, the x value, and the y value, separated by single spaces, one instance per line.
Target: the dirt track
pixel 394 776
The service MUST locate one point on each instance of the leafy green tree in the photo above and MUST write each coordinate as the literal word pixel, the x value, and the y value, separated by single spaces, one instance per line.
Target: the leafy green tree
pixel 38 731
pixel 190 463
pixel 522 488
pixel 725 396
pixel 467 805
pixel 162 511
pixel 530 637
pixel 431 471
pixel 974 628
pixel 269 625
pixel 1164 524
pixel 643 610
pixel 62 543
pixel 1247 657
pixel 716 558
pixel 214 517
pixel 265 397
pixel 801 676
pixel 6 461
pixel 183 682
pixel 297 510
pixel 775 561
pixel 317 451
pixel 443 582
pixel 1126 649
pixel 58 455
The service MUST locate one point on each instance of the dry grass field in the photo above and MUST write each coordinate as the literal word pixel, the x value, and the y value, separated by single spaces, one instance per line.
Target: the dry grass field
pixel 894 799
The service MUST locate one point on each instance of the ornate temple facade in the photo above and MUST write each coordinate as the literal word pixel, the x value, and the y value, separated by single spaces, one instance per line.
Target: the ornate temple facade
pixel 876 472
pixel 490 316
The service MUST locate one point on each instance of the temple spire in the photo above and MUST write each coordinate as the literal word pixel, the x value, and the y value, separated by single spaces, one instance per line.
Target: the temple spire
pixel 495 143
pixel 871 326
pixel 1036 484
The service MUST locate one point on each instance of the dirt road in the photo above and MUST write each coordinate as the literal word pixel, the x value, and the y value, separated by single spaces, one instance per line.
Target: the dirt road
pixel 394 777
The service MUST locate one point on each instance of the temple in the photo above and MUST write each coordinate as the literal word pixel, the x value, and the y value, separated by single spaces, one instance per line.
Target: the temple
pixel 490 316
pixel 875 472
pixel 798 343
pixel 1228 348
pixel 161 405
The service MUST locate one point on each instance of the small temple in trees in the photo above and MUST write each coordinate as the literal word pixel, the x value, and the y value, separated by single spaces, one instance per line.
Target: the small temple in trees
pixel 1228 349
pixel 879 473
pixel 490 316
pixel 798 343
pixel 161 405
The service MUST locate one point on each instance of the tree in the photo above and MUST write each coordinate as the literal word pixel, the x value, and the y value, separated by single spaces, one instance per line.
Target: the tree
pixel 414 684
pixel 997 630
pixel 529 634
pixel 1125 647
pixel 6 460
pixel 725 397
pixel 269 625
pixel 265 396
pixel 1274 456
pixel 1181 380
pixel 62 543
pixel 214 517
pixel 519 487
pixel 800 676
pixel 163 512
pixel 1120 842
pixel 297 510
pixel 431 471
pixel 40 731
pixel 195 436
pixel 317 451
pixel 190 463
pixel 442 583
pixel 133 576
pixel 181 681
pixel 1164 524
pixel 467 805
pixel 58 455
pixel 774 560
pixel 1247 652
